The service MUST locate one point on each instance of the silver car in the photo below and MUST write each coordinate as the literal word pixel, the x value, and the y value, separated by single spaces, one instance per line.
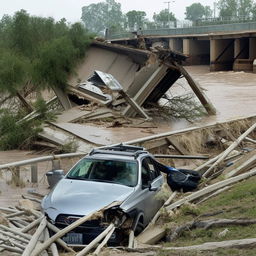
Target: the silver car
pixel 120 173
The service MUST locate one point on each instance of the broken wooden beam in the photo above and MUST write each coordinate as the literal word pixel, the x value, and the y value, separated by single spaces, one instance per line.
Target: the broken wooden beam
pixel 34 239
pixel 95 241
pixel 104 242
pixel 229 149
pixel 211 188
pixel 242 243
pixel 198 92
pixel 70 227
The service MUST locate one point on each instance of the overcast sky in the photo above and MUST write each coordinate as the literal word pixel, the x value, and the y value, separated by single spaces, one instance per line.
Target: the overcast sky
pixel 71 9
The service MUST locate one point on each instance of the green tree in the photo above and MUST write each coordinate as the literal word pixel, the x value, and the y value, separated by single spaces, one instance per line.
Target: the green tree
pixel 21 39
pixel 162 18
pixel 195 11
pixel 228 8
pixel 98 17
pixel 55 63
pixel 135 19
pixel 245 8
pixel 33 48
pixel 13 71
pixel 208 12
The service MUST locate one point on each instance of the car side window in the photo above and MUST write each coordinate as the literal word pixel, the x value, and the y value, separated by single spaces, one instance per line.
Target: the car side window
pixel 153 168
pixel 145 173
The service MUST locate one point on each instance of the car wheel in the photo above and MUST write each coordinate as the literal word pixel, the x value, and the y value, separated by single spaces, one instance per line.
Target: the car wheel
pixel 138 229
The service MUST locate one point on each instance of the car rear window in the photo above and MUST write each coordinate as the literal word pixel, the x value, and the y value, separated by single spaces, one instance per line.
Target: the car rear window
pixel 113 171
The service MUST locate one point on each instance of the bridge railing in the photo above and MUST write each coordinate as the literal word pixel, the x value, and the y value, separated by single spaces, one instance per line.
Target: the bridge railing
pixel 233 27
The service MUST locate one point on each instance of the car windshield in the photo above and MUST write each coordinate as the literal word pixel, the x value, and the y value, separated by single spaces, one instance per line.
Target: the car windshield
pixel 113 171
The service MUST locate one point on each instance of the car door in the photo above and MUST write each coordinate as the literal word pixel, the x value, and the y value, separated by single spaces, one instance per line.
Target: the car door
pixel 143 199
pixel 150 177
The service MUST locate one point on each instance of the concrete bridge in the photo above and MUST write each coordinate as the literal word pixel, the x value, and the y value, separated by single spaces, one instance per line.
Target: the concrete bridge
pixel 223 47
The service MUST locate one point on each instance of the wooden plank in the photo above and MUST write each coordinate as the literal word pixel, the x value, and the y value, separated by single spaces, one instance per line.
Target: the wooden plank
pixel 134 105
pixel 229 150
pixel 211 188
pixel 174 142
pixel 63 98
pixel 95 241
pixel 155 143
pixel 242 243
pixel 152 235
pixel 70 227
pixel 241 165
pixel 87 96
pixel 196 89
pixel 72 114
pixel 146 89
pixel 34 239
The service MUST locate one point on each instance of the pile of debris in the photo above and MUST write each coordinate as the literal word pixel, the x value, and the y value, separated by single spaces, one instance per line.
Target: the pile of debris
pixel 115 82
pixel 232 165
pixel 25 228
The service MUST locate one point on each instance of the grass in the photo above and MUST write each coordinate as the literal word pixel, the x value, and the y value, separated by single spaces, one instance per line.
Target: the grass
pixel 237 202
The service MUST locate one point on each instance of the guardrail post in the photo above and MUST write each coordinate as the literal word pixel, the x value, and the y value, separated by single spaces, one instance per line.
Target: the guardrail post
pixel 16 173
pixel 34 173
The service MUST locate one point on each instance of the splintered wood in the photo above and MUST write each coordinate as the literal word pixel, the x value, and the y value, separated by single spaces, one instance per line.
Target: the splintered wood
pixel 28 234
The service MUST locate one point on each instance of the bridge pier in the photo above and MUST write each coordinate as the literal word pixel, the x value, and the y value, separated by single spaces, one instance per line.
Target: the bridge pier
pixel 242 61
pixel 198 51
pixel 252 48
pixel 176 44
pixel 221 54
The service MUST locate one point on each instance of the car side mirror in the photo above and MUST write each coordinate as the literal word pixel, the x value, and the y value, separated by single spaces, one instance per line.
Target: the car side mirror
pixel 152 188
pixel 145 186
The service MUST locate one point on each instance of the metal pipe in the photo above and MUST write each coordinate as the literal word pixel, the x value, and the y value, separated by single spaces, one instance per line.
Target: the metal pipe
pixel 40 159
pixel 182 157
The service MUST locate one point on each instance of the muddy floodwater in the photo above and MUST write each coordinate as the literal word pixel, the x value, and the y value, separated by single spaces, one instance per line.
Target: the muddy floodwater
pixel 233 94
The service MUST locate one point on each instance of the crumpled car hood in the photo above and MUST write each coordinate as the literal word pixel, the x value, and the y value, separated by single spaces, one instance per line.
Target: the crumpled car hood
pixel 80 197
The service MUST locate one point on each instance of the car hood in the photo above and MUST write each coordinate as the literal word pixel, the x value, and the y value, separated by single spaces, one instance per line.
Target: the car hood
pixel 80 197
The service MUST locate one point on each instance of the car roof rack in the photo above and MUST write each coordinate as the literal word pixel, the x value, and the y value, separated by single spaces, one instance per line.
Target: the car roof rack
pixel 120 149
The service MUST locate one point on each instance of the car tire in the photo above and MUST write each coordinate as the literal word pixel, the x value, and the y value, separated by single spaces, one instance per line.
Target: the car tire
pixel 138 229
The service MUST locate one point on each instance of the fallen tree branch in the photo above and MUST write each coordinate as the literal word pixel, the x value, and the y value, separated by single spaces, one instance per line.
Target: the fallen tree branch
pixel 206 224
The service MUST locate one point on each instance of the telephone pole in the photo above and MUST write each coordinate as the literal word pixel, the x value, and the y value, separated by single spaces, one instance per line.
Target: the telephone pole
pixel 169 11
